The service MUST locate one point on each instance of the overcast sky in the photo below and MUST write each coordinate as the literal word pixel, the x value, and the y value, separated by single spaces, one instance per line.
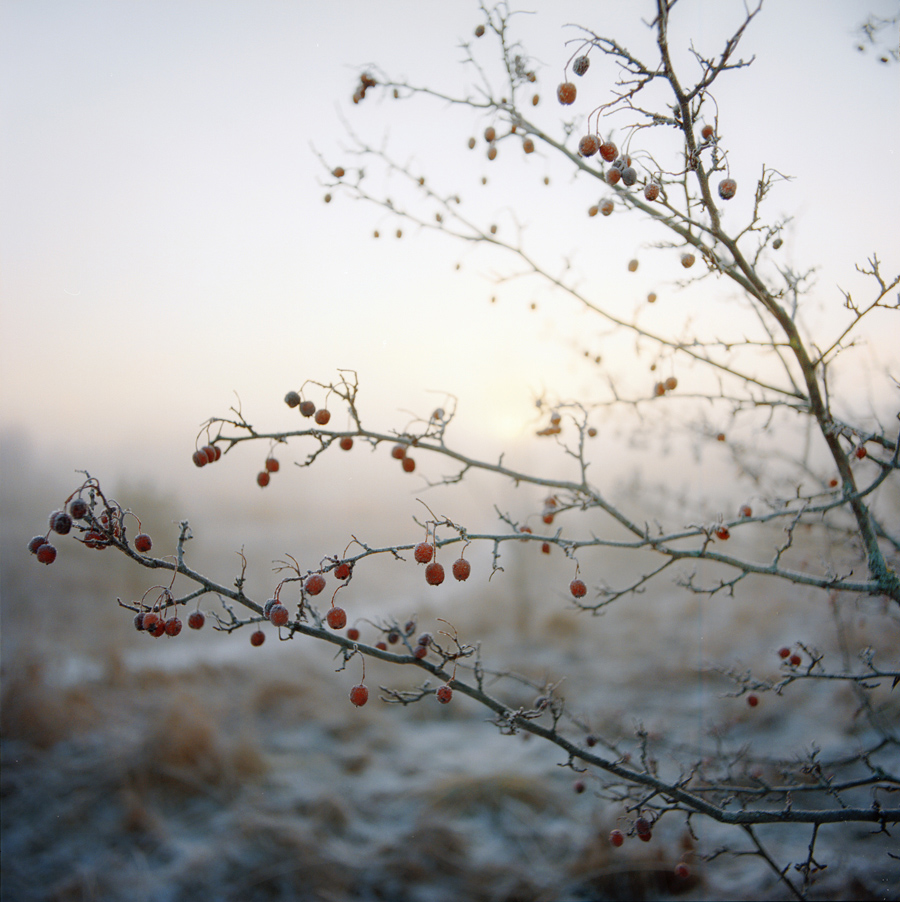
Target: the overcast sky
pixel 164 242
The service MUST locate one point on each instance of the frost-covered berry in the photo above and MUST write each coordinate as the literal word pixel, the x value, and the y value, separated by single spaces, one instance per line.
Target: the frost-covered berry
pixel 78 508
pixel 337 618
pixel 278 615
pixel 727 188
pixel 581 65
pixel 434 574
pixel 143 543
pixel 46 554
pixel 566 93
pixel 359 695
pixel 588 146
pixel 578 588
pixel 461 569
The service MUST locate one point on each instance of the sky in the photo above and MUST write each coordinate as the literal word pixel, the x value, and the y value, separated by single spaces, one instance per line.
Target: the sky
pixel 164 243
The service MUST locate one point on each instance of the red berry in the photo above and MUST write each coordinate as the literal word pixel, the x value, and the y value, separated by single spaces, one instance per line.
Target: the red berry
pixel 578 588
pixel 342 571
pixel 832 483
pixel 608 151
pixel 722 533
pixel 434 574
pixel 590 740
pixel 479 31
pixel 687 260
pixel 632 265
pixel 461 569
pixel 566 93
pixel 671 383
pixel 337 618
pixel 159 629
pixel 408 465
pixel 796 660
pixel 444 694
pixel 36 543
pixel 492 153
pixel 753 700
pixel 398 452
pixel 346 443
pixel 46 554
pixel 196 620
pixel 315 584
pixel 588 146
pixel 292 399
pixel 150 621
pixel 745 510
pixel 353 634
pixel 60 522
pixel 472 143
pixel 142 543
pixel 199 458
pixel 420 651
pixel 613 176
pixel 643 829
pixel 272 465
pixel 338 172
pixel 267 607
pixel 720 437
pixel 173 626
pixel 579 786
pixel 359 695
pixel 784 652
pixel 727 188
pixel 212 453
pixel 262 478
pixel 278 615
pixel 528 145
pixel 606 207
pixel 629 176
pixel 393 637
pixel 424 639
pixel 707 132
pixel 307 408
pixel 78 508
pixel 594 210
pixel 257 638
pixel 651 191
pixel 581 64
pixel 95 540
pixel 682 871
pixel 490 134
pixel 545 547
pixel 382 646
pixel 423 552
pixel 860 452
pixel 616 837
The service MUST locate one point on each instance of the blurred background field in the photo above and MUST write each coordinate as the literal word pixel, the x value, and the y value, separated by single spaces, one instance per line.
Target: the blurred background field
pixel 200 767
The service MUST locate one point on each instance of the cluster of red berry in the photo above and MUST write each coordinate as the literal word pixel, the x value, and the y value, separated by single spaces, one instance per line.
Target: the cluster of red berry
pixel 97 532
pixel 307 407
pixel 208 454
pixel 365 82
pixel 661 388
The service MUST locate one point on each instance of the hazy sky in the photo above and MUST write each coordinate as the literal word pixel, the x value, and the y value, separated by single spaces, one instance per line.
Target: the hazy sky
pixel 164 243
